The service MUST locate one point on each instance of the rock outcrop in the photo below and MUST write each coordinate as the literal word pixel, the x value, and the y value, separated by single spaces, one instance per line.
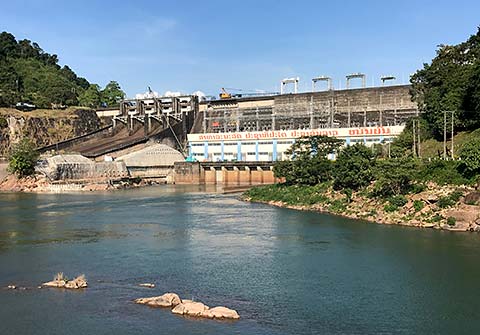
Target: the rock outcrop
pixel 60 281
pixel 221 312
pixel 166 300
pixel 45 127
pixel 189 307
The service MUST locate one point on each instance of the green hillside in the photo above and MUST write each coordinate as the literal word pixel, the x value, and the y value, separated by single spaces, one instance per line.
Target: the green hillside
pixel 29 74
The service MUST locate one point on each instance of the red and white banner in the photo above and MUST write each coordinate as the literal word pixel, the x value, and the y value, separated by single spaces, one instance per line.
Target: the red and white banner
pixel 286 134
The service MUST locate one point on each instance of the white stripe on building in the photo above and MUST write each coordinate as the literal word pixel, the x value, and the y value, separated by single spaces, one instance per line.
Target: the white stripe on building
pixel 272 145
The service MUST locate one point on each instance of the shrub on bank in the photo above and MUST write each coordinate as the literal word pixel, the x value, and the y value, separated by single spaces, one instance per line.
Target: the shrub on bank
pixel 394 177
pixel 418 205
pixel 442 172
pixel 449 200
pixel 289 194
pixel 353 168
pixel 23 158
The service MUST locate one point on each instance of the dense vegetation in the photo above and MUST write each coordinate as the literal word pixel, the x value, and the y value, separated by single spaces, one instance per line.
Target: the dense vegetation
pixel 389 172
pixel 29 74
pixel 359 175
pixel 451 82
pixel 357 166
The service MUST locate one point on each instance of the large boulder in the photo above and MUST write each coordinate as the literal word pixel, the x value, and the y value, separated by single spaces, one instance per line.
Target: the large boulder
pixel 191 308
pixel 166 300
pixel 55 283
pixel 79 282
pixel 221 312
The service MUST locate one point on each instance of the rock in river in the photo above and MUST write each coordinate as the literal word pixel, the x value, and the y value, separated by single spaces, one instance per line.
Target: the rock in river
pixel 191 308
pixel 166 300
pixel 221 312
pixel 61 282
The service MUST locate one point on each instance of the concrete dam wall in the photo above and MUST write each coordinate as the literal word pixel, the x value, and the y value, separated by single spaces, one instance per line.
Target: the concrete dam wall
pixel 364 107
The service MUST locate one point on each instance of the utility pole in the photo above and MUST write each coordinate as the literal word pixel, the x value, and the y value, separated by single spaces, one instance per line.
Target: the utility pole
pixel 444 135
pixel 453 112
pixel 418 138
pixel 413 134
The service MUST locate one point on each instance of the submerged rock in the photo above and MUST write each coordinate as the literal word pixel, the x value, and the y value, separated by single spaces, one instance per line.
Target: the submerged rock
pixel 166 300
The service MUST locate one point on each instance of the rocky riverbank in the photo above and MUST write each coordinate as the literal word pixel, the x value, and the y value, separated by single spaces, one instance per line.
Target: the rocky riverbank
pixel 438 207
pixel 40 184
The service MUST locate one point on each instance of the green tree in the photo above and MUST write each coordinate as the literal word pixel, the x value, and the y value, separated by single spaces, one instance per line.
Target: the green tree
pixel 470 156
pixel 353 167
pixel 450 83
pixel 394 176
pixel 309 164
pixel 112 94
pixel 27 73
pixel 8 45
pixel 9 84
pixel 402 146
pixel 91 97
pixel 22 158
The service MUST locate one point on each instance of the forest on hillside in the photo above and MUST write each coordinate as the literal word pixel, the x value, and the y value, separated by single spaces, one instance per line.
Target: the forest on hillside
pixel 29 74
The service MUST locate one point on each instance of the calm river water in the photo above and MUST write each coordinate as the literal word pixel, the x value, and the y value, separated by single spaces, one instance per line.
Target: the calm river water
pixel 286 272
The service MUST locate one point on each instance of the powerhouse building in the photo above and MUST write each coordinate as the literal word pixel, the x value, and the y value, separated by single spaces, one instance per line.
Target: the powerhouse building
pixel 263 128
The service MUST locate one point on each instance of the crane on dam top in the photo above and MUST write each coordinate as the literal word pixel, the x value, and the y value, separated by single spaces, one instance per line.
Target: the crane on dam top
pixel 224 94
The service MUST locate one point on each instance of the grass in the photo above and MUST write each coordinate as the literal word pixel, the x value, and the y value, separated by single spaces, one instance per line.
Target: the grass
pixel 59 276
pixel 431 147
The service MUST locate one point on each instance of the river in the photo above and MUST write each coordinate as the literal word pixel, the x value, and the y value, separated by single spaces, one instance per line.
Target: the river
pixel 284 271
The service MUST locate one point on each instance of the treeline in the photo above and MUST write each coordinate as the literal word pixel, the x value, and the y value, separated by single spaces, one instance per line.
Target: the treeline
pixel 29 74
pixel 357 167
pixel 450 83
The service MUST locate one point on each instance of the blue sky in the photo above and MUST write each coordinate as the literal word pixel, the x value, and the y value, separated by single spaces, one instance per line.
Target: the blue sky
pixel 205 45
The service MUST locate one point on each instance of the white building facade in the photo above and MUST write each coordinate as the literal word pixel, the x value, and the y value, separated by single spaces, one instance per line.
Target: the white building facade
pixel 272 145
